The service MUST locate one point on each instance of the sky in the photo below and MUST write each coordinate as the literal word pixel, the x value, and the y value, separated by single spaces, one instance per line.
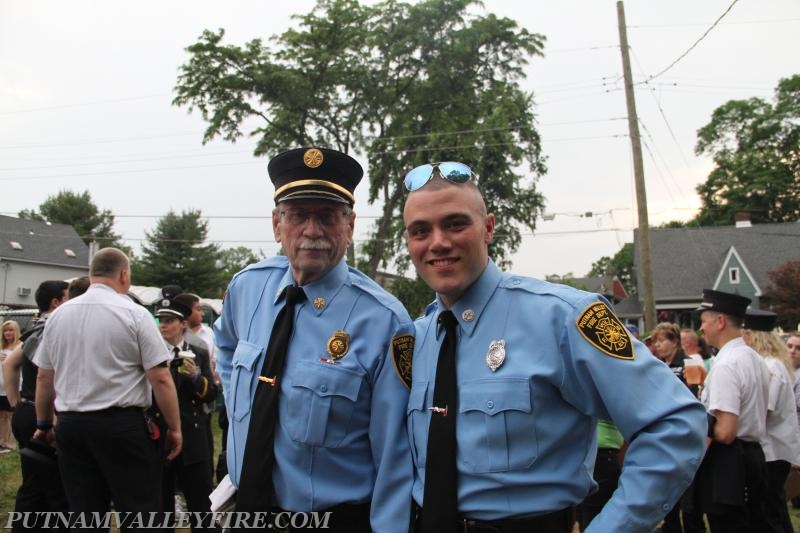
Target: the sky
pixel 86 90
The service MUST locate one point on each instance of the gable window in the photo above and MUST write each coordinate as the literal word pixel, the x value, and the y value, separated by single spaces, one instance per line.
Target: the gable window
pixel 733 275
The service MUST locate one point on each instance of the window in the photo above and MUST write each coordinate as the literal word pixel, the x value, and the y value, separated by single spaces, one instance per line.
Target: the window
pixel 733 275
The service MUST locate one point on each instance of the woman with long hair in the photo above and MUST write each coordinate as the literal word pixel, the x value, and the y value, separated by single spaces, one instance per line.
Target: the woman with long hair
pixel 11 335
pixel 782 447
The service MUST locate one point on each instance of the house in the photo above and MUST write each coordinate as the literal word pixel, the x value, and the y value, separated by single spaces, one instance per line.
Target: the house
pixel 727 258
pixel 32 252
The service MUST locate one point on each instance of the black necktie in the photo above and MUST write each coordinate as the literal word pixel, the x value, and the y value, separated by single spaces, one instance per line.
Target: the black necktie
pixel 440 503
pixel 255 483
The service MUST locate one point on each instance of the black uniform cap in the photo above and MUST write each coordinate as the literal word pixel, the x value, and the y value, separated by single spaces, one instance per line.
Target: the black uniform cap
pixel 760 320
pixel 315 173
pixel 724 302
pixel 175 309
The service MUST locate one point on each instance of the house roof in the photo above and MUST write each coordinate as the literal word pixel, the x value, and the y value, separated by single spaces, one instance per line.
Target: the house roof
pixel 40 242
pixel 687 260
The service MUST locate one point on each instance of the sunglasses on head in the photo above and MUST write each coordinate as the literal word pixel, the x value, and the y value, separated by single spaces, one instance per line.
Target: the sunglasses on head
pixel 452 171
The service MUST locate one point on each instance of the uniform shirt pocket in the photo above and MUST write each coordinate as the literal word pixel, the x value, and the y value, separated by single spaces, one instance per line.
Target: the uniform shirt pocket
pixel 418 420
pixel 496 430
pixel 244 373
pixel 320 404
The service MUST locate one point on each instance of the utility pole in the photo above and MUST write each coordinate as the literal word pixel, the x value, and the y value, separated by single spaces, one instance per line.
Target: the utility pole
pixel 645 258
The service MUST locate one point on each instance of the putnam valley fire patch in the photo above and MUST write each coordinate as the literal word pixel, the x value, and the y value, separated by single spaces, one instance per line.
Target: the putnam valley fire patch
pixel 402 353
pixel 604 331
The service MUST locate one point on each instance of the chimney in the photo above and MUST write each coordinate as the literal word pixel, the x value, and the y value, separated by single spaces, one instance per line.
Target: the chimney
pixel 743 220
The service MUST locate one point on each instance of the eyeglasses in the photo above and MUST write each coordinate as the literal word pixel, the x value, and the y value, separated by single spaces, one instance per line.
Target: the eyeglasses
pixel 452 171
pixel 326 217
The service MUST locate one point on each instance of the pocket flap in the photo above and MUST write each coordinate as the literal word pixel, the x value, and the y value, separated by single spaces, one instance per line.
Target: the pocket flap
pixel 325 379
pixel 416 398
pixel 492 396
pixel 245 355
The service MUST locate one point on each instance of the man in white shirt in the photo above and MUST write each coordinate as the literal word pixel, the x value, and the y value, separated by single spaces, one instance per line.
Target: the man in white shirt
pixel 102 359
pixel 731 480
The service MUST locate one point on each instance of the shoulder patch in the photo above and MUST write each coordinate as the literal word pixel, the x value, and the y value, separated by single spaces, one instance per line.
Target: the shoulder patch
pixel 402 355
pixel 604 331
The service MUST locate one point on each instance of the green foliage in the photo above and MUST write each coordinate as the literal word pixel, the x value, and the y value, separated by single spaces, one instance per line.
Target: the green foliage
pixel 414 294
pixel 80 212
pixel 782 294
pixel 404 83
pixel 235 259
pixel 755 145
pixel 621 265
pixel 174 254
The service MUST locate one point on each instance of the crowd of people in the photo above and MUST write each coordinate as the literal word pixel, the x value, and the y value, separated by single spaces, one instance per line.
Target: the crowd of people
pixel 511 405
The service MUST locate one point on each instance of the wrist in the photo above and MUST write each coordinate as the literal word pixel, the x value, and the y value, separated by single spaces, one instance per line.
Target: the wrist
pixel 44 425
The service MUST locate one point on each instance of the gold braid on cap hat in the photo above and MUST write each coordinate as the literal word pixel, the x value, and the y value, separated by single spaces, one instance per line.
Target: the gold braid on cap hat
pixel 302 183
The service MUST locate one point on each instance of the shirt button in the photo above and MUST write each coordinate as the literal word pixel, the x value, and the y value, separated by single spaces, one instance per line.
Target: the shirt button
pixel 490 404
pixel 666 507
pixel 324 388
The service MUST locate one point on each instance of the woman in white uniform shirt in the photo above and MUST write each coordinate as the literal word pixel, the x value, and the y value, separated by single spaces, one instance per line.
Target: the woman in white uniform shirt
pixel 782 448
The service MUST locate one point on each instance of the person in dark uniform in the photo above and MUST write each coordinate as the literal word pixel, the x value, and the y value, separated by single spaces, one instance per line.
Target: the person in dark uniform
pixel 731 480
pixel 41 488
pixel 191 369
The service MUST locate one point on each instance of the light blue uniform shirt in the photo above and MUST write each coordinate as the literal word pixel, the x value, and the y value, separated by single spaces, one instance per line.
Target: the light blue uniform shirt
pixel 526 432
pixel 341 436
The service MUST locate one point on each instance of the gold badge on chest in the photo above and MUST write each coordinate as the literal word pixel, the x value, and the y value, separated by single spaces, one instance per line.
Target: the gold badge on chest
pixel 338 346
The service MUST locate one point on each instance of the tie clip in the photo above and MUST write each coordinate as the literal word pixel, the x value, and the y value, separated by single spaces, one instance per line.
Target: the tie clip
pixel 440 410
pixel 271 381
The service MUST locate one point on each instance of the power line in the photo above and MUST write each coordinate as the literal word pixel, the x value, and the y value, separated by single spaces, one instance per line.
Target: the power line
pixel 695 43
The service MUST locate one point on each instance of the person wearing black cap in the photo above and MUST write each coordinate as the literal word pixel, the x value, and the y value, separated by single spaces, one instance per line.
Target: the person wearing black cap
pixel 336 378
pixel 782 447
pixel 191 369
pixel 102 360
pixel 731 479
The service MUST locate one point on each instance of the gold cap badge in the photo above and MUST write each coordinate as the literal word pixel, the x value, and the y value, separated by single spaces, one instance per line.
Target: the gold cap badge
pixel 338 345
pixel 313 158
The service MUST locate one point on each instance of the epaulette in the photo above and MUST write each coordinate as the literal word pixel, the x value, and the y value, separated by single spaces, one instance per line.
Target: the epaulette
pixel 369 286
pixel 430 308
pixel 563 292
pixel 276 261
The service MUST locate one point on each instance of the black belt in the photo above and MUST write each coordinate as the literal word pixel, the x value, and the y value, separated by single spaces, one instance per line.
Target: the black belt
pixel 26 401
pixel 106 411
pixel 555 522
pixel 343 517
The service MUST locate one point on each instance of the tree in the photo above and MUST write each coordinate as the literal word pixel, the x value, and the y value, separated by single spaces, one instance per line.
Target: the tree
pixel 235 259
pixel 621 265
pixel 782 294
pixel 80 212
pixel 403 83
pixel 755 146
pixel 414 294
pixel 174 254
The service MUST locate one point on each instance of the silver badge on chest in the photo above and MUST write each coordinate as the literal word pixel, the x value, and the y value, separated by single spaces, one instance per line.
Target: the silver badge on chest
pixel 496 354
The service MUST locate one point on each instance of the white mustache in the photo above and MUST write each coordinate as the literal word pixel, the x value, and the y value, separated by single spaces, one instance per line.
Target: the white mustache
pixel 315 244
